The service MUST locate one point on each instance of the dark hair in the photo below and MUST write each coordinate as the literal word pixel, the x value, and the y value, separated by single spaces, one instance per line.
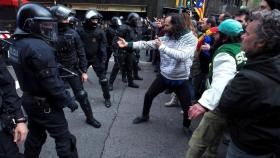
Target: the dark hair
pixel 189 23
pixel 227 15
pixel 268 29
pixel 178 25
pixel 212 21
pixel 224 39
pixel 230 39
pixel 243 12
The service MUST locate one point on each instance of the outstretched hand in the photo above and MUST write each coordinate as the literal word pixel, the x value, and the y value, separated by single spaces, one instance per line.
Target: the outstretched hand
pixel 122 43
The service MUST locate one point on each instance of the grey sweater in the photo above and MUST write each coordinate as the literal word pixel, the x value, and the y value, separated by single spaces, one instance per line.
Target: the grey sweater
pixel 175 55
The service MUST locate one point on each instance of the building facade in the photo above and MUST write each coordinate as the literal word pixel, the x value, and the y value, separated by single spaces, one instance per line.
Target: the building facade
pixel 150 8
pixel 215 7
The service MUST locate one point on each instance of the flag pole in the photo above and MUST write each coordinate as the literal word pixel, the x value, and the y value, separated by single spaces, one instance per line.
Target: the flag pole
pixel 180 6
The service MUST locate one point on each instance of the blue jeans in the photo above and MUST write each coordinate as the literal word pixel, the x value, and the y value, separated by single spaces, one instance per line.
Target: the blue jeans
pixel 235 152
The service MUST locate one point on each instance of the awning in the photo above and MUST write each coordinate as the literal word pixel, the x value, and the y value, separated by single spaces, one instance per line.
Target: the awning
pixel 110 7
pixel 12 3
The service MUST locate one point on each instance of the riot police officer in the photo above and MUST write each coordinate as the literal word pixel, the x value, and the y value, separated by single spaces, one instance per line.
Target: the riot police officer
pixel 95 44
pixel 11 116
pixel 44 94
pixel 110 34
pixel 71 55
pixel 129 33
pixel 112 37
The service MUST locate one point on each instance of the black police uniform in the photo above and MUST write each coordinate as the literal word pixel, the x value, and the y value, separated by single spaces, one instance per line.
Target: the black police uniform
pixel 10 108
pixel 44 96
pixel 110 34
pixel 71 54
pixel 129 60
pixel 95 43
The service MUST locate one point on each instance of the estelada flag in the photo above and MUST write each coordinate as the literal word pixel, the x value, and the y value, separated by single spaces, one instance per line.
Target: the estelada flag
pixel 200 8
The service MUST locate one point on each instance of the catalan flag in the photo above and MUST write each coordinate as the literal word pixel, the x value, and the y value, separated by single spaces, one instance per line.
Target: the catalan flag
pixel 200 8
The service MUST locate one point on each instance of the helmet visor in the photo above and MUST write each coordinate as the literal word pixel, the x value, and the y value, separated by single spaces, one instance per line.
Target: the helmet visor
pixel 63 12
pixel 48 29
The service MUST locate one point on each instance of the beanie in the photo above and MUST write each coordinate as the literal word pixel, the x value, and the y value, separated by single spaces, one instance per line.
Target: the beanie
pixel 230 27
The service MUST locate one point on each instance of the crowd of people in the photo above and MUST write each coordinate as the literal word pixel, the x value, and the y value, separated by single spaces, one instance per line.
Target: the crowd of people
pixel 225 69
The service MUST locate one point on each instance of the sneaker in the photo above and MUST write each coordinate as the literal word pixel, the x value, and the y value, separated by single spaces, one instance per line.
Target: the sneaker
pixel 174 102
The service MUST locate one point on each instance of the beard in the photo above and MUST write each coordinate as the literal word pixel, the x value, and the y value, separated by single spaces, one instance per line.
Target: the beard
pixel 173 33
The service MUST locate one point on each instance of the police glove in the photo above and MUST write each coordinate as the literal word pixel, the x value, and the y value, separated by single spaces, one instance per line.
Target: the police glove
pixel 73 106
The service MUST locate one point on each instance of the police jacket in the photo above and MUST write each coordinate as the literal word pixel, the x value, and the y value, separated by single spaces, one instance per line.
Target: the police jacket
pixel 252 105
pixel 95 43
pixel 34 63
pixel 111 32
pixel 10 102
pixel 70 50
pixel 128 33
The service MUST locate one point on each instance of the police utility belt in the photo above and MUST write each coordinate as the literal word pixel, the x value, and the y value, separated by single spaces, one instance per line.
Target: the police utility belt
pixel 41 102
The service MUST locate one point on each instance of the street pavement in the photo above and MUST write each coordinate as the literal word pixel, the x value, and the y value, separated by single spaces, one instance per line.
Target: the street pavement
pixel 161 137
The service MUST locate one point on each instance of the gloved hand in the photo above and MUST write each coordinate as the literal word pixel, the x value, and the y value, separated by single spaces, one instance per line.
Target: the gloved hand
pixel 73 106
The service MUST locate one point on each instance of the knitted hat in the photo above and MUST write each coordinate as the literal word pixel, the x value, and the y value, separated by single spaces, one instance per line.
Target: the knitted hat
pixel 230 27
pixel 273 4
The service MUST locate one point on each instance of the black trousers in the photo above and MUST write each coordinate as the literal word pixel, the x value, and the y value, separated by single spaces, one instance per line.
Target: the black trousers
pixel 158 86
pixel 127 65
pixel 55 123
pixel 81 96
pixel 8 149
pixel 109 53
pixel 114 73
pixel 116 68
pixel 99 69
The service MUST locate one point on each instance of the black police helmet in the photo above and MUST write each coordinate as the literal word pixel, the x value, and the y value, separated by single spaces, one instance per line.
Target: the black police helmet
pixel 116 21
pixel 132 19
pixel 36 20
pixel 61 12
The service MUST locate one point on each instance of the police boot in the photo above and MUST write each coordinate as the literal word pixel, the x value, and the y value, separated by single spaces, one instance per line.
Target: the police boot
pixel 132 85
pixel 124 79
pixel 88 112
pixel 107 103
pixel 93 122
pixel 110 87
pixel 137 77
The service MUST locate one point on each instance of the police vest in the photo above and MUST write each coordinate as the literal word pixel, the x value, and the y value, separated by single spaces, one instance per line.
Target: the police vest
pixel 233 50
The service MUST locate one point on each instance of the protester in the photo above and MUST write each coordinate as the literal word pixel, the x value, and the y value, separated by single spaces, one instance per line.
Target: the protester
pixel 226 60
pixel 251 101
pixel 176 51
